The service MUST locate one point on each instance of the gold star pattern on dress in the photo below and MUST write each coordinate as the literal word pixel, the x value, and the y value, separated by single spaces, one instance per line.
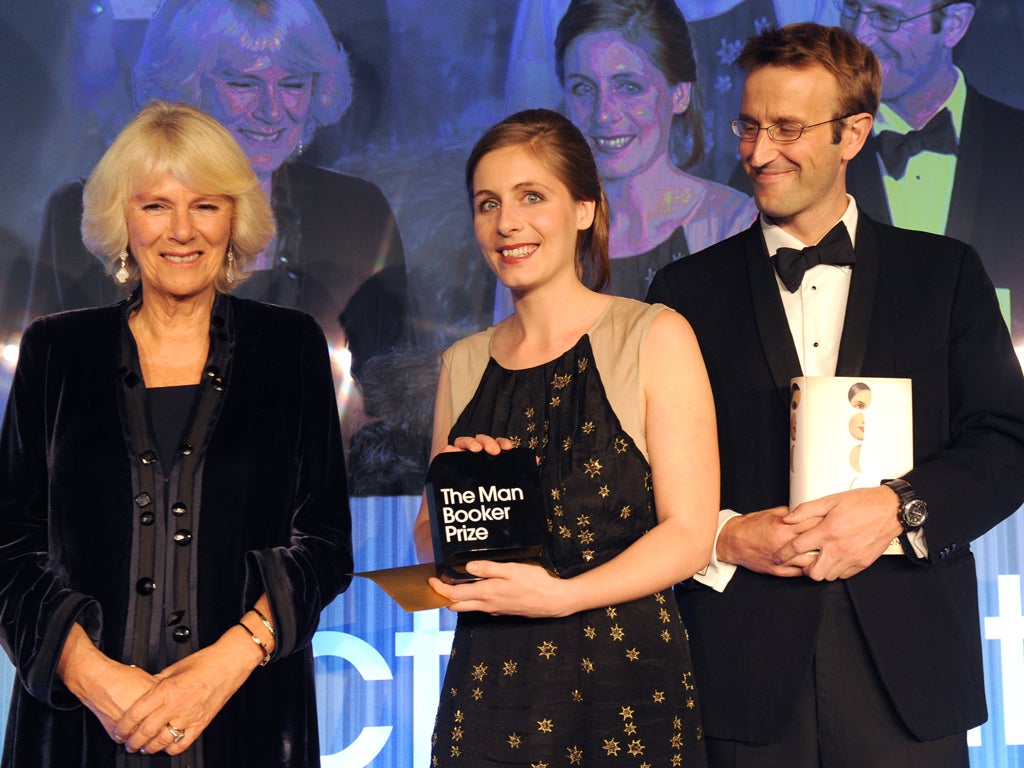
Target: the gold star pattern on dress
pixel 459 717
pixel 620 445
pixel 547 649
pixel 647 482
pixel 677 760
pixel 577 696
pixel 604 491
pixel 510 668
pixel 478 694
pixel 589 632
pixel 666 636
pixel 514 740
pixel 629 729
pixel 636 748
pixel 677 723
pixel 581 364
pixel 566 443
pixel 545 725
pixel 588 427
pixel 588 554
pixel 564 532
pixel 479 671
pixel 541 764
pixel 592 467
pixel 575 755
pixel 587 537
pixel 555 401
pixel 456 752
pixel 453 692
pixel 558 509
pixel 457 733
pixel 690 703
pixel 632 654
pixel 659 598
pixel 528 413
pixel 611 612
pixel 556 494
pixel 625 512
pixel 677 740
pixel 533 442
pixel 658 697
pixel 611 747
pixel 561 380
pixel 665 616
pixel 617 633
pixel 688 683
pixel 587 665
pixel 531 426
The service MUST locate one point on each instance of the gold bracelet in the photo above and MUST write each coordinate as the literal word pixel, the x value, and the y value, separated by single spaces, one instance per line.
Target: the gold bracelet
pixel 260 643
pixel 265 620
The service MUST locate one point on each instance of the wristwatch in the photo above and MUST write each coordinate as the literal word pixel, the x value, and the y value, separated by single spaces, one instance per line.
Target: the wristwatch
pixel 913 511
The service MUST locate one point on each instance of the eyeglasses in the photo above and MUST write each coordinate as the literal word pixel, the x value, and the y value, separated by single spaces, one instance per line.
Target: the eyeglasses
pixel 747 130
pixel 882 19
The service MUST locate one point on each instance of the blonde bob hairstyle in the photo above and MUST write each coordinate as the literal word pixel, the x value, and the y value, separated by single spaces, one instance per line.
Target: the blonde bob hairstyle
pixel 166 137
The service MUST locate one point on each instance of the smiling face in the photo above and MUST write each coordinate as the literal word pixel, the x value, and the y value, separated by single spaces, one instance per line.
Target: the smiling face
pixel 262 102
pixel 801 184
pixel 178 237
pixel 913 57
pixel 620 101
pixel 526 221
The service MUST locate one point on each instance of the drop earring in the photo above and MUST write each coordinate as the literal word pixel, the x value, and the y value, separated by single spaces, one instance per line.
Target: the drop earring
pixel 231 264
pixel 122 271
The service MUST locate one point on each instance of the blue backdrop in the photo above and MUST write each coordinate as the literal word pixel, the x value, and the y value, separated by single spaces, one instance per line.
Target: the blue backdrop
pixel 428 78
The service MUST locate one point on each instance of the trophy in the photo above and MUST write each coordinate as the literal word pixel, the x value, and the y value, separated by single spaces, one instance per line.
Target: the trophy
pixel 484 507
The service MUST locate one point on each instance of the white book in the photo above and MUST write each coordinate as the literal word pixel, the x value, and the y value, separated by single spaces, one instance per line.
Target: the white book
pixel 847 432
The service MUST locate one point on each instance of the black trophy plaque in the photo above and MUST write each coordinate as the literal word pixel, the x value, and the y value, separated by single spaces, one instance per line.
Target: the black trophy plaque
pixel 484 507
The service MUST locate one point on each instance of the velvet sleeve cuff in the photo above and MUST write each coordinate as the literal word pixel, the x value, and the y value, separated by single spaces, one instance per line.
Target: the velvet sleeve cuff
pixel 40 675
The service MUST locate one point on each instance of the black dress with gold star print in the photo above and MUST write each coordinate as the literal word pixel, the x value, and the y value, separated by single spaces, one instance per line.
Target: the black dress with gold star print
pixel 609 686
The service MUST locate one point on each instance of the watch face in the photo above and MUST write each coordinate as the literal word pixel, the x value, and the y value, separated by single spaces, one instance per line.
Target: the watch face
pixel 914 513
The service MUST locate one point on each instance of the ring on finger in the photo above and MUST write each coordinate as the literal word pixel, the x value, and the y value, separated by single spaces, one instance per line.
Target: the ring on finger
pixel 177 733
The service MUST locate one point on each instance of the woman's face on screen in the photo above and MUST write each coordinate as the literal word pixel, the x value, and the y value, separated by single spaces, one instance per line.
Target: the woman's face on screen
pixel 261 101
pixel 621 102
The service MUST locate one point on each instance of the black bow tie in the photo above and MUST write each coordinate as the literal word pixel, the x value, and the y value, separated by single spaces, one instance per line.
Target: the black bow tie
pixel 897 148
pixel 834 248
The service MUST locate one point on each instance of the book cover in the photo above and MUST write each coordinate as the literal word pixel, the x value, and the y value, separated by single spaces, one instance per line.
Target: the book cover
pixel 847 432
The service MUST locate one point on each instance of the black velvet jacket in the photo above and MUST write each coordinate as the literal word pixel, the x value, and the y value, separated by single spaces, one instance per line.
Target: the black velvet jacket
pixel 157 562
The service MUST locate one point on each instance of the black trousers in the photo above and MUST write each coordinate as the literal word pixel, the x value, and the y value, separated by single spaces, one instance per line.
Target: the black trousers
pixel 844 718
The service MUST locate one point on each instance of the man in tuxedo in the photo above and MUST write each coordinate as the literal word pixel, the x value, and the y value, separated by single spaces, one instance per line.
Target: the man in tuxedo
pixel 844 632
pixel 942 158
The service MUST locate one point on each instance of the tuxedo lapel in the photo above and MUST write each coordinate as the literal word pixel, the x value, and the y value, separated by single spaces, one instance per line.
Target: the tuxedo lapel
pixel 860 301
pixel 772 326
pixel 970 168
pixel 864 182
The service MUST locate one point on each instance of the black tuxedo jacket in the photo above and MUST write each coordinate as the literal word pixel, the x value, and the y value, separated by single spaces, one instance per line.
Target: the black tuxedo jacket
pixel 987 196
pixel 920 307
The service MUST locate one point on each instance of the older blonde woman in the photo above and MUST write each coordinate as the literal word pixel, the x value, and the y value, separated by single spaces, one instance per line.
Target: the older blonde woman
pixel 173 513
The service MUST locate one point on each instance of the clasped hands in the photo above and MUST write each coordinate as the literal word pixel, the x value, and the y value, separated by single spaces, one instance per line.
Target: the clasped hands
pixel 834 537
pixel 149 712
